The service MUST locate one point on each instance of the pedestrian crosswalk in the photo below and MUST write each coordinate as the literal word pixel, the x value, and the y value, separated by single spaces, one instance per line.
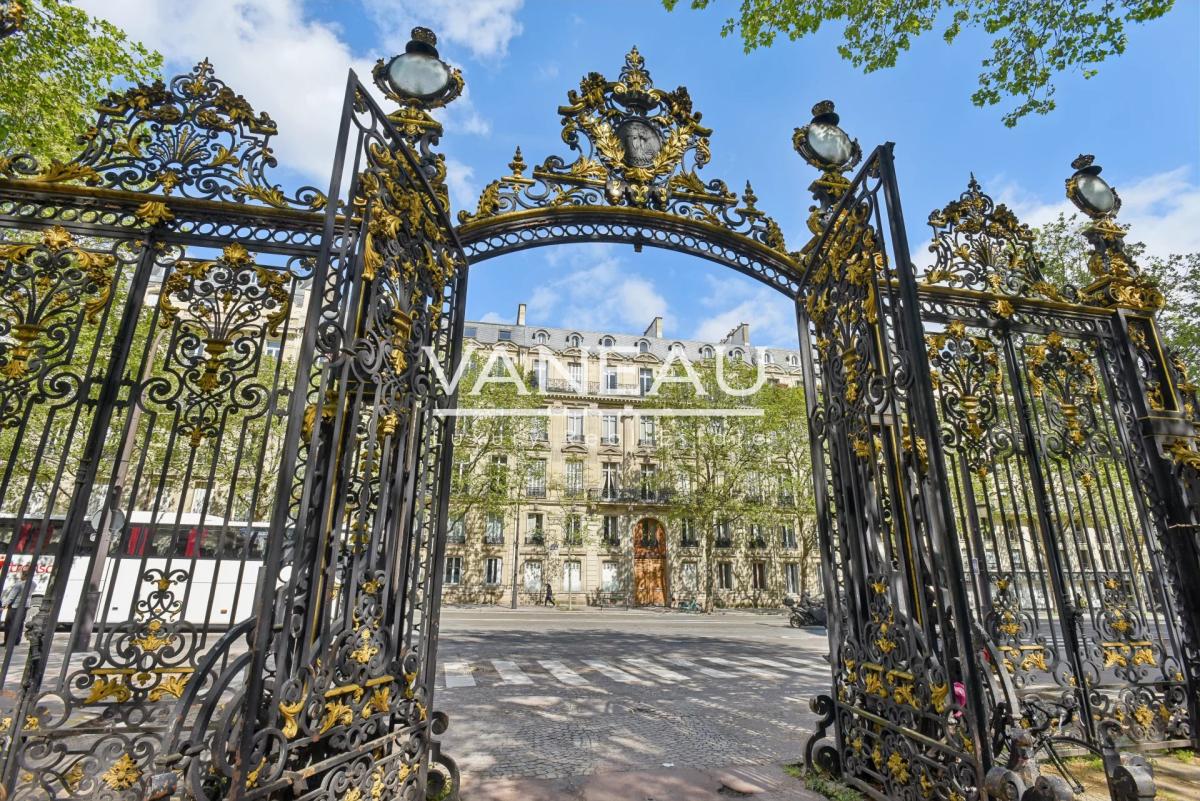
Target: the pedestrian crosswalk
pixel 659 669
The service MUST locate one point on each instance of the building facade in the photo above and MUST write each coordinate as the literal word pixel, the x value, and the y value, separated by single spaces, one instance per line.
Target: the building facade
pixel 584 519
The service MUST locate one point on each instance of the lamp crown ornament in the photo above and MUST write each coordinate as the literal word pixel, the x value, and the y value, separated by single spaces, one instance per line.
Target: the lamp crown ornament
pixel 423 36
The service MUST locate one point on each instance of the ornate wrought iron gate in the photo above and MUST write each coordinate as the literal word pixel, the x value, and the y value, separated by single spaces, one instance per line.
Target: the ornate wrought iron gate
pixel 1005 508
pixel 224 462
pixel 222 467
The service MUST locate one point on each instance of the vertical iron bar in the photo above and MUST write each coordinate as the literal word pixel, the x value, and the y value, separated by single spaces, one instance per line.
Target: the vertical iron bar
pixel 941 526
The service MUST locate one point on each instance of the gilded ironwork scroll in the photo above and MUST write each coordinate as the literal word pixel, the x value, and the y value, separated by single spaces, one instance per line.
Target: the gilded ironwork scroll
pixel 635 180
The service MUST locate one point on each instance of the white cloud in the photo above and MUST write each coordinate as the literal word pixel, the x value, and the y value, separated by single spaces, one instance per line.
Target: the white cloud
pixel 464 194
pixel 491 317
pixel 1161 209
pixel 285 63
pixel 737 300
pixel 484 27
pixel 599 292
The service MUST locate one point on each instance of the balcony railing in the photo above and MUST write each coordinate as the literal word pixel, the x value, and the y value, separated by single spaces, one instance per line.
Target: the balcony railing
pixel 535 492
pixel 630 495
pixel 613 440
pixel 569 387
pixel 536 538
pixel 575 437
pixel 493 539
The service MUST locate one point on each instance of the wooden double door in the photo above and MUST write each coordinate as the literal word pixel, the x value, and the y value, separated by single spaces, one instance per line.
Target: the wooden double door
pixel 649 563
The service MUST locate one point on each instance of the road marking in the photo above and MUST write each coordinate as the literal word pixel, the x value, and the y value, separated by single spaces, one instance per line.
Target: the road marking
pixel 775 664
pixel 707 671
pixel 751 669
pixel 613 672
pixel 510 672
pixel 563 673
pixel 458 674
pixel 661 672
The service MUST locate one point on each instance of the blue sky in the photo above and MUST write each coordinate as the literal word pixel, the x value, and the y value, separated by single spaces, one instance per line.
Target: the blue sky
pixel 1140 116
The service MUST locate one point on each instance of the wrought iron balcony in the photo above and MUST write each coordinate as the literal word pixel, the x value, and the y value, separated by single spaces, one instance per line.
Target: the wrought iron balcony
pixel 535 492
pixel 610 440
pixel 536 538
pixel 633 495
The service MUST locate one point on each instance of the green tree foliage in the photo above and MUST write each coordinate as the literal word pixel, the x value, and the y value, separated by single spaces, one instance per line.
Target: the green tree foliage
pixel 1064 254
pixel 1032 41
pixel 55 69
pixel 492 453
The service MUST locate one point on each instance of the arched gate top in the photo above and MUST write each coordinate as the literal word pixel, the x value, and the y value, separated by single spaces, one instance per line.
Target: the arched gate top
pixel 634 181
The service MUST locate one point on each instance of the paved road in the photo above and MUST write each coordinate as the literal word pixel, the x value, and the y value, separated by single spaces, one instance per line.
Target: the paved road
pixel 552 693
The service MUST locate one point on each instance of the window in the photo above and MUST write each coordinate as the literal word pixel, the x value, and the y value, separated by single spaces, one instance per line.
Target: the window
pixel 574 426
pixel 538 431
pixel 725 575
pixel 493 572
pixel 572 576
pixel 199 497
pixel 453 570
pixel 608 430
pixel 574 340
pixel 689 576
pixel 610 580
pixel 532 575
pixel 766 357
pixel 643 347
pixel 736 355
pixel 607 342
pixel 791 574
pixel 470 331
pixel 788 535
pixel 574 477
pixel 793 360
pixel 687 535
pixel 534 531
pixel 499 474
pixel 536 486
pixel 540 371
pixel 575 372
pixel 649 537
pixel 504 335
pixel 610 379
pixel 573 530
pixel 649 489
pixel 723 537
pixel 494 533
pixel 645 380
pixel 612 480
pixel 457 534
pixel 541 338
pixel 646 430
pixel 272 348
pixel 706 352
pixel 760 575
pixel 611 530
pixel 757 540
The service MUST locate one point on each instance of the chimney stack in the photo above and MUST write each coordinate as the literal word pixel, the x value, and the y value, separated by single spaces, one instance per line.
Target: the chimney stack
pixel 654 329
pixel 520 314
pixel 738 336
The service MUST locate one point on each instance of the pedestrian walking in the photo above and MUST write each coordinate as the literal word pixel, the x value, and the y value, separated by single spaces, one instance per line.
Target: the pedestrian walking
pixel 549 601
pixel 11 603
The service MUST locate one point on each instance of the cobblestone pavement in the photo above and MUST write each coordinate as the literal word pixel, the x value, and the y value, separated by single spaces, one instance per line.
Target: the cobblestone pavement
pixel 550 694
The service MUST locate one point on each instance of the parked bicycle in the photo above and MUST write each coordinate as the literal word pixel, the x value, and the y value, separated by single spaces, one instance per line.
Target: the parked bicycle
pixel 688 605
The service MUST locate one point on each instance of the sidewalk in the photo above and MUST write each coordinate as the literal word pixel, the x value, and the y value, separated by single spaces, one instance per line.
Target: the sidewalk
pixel 764 783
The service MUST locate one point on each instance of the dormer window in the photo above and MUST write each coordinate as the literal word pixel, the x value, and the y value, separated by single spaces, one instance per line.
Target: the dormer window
pixel 541 338
pixel 643 347
pixel 706 352
pixel 574 340
pixel 607 342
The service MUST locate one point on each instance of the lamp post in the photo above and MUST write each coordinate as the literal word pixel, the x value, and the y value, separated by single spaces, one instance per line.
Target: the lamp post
pixel 824 145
